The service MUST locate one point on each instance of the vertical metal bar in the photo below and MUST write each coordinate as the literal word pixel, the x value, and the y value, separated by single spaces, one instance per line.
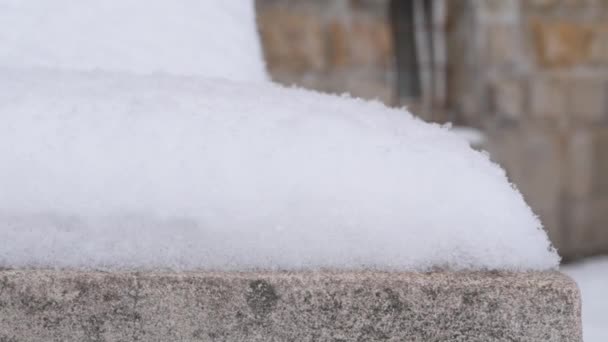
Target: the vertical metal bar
pixel 406 55
pixel 430 66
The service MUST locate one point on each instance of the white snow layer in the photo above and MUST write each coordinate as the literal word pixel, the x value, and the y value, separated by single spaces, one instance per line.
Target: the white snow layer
pixel 184 37
pixel 109 170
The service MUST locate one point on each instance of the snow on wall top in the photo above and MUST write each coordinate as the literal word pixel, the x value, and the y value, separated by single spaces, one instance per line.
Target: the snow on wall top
pixel 117 171
pixel 215 39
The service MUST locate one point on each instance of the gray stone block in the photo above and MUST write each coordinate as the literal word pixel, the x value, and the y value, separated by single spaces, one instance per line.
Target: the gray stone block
pixel 285 306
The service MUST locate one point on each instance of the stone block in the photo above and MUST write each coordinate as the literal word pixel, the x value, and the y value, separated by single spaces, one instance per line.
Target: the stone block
pixel 586 206
pixel 377 7
pixel 292 40
pixel 359 43
pixel 600 157
pixel 588 163
pixel 599 44
pixel 541 4
pixel 549 99
pixel 580 161
pixel 560 43
pixel 588 7
pixel 588 100
pixel 499 10
pixel 503 44
pixel 282 306
pixel 510 98
pixel 586 225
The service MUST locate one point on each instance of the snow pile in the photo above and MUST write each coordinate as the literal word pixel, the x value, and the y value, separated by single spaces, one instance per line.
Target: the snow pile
pixel 119 171
pixel 473 136
pixel 592 279
pixel 185 37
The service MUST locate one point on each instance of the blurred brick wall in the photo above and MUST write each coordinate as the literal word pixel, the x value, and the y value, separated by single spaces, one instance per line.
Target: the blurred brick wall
pixel 535 77
pixel 334 46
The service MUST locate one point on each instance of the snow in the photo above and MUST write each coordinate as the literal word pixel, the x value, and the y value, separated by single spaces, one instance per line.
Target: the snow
pixel 216 39
pixel 473 136
pixel 592 279
pixel 116 170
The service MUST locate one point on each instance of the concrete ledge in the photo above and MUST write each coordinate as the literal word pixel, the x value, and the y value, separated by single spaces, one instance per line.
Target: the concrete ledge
pixel 308 306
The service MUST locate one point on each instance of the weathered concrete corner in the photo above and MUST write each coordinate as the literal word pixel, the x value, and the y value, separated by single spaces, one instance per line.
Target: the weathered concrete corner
pixel 307 306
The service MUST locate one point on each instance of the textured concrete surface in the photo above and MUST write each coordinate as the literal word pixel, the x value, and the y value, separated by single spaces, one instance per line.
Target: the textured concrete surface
pixel 302 306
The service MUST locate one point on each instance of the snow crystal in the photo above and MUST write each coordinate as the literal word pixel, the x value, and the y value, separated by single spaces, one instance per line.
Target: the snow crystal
pixel 109 170
pixel 186 37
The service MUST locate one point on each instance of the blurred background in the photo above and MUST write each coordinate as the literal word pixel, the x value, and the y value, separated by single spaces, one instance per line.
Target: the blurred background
pixel 528 77
pixel 527 80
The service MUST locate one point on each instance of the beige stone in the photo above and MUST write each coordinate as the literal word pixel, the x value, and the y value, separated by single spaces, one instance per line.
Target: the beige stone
pixel 586 201
pixel 587 227
pixel 549 99
pixel 335 47
pixel 510 98
pixel 541 4
pixel 599 44
pixel 359 43
pixel 589 160
pixel 542 178
pixel 533 159
pixel 550 4
pixel 377 37
pixel 560 43
pixel 503 44
pixel 292 40
pixel 600 156
pixel 580 160
pixel 42 306
pixel 499 10
pixel 588 99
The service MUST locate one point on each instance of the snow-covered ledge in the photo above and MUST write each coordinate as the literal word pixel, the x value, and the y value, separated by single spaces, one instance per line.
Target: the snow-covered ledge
pixel 287 306
pixel 143 160
pixel 119 172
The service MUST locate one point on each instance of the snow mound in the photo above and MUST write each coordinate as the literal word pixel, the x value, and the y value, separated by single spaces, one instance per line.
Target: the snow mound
pixel 186 37
pixel 103 170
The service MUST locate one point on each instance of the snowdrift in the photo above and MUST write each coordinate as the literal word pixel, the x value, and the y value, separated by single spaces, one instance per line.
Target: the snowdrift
pixel 114 170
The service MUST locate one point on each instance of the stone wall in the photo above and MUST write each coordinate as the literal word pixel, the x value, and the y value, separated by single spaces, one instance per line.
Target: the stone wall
pixel 533 74
pixel 539 88
pixel 334 46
